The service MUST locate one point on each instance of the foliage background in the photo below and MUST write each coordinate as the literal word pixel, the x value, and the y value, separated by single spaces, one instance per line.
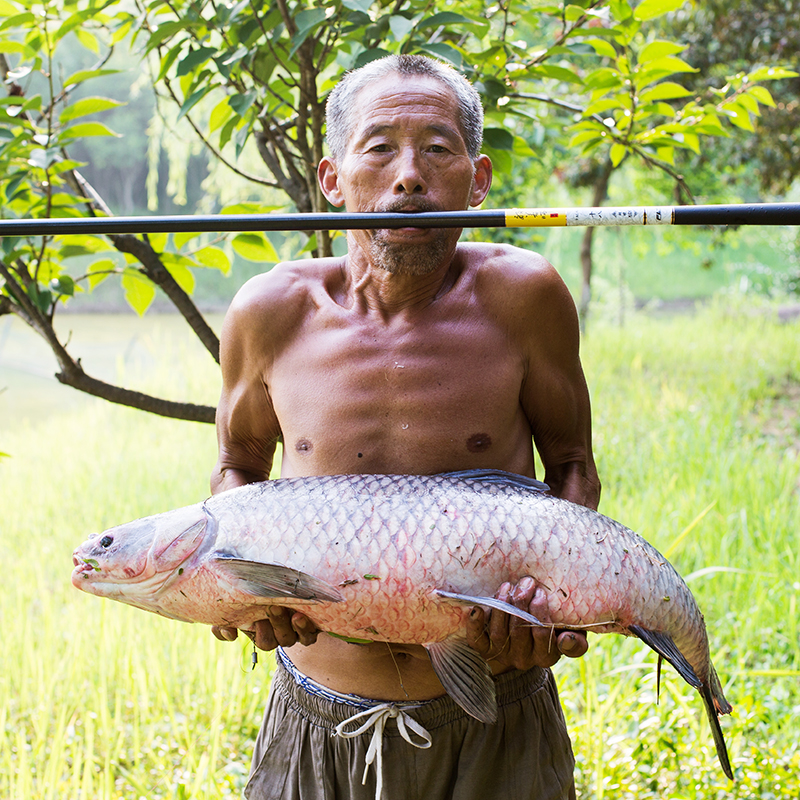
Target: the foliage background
pixel 696 423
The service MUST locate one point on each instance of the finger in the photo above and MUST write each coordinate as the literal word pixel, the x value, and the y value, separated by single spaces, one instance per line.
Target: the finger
pixel 572 644
pixel 306 630
pixel 281 620
pixel 544 642
pixel 477 637
pixel 264 638
pixel 499 624
pixel 224 634
pixel 521 642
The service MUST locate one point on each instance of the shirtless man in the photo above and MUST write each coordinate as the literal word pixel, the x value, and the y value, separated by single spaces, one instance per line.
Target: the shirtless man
pixel 413 353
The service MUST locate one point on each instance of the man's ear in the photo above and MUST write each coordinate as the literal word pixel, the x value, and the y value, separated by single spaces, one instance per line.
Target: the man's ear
pixel 329 182
pixel 483 180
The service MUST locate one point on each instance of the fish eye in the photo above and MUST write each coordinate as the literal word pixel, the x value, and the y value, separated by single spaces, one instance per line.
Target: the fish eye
pixel 106 541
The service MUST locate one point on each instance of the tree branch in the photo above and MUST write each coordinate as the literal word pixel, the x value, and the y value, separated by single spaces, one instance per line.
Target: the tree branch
pixel 154 269
pixel 72 374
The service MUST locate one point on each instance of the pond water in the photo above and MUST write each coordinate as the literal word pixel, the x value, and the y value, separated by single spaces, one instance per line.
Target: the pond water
pixel 157 353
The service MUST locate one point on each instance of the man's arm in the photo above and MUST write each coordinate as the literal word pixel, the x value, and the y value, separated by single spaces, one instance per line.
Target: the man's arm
pixel 248 431
pixel 554 395
pixel 555 400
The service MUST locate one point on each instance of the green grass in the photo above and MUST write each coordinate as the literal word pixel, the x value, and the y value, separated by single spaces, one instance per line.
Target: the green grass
pixel 692 415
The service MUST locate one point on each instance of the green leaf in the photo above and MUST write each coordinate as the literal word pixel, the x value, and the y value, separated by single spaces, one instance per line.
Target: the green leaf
pixel 139 291
pixel 42 298
pixel 762 95
pixel 99 271
pixel 7 9
pixel 666 154
pixel 498 138
pixel 617 153
pixel 80 245
pixel 583 137
pixel 63 285
pixel 557 73
pixel 750 103
pixel 669 64
pixel 445 18
pixel 87 74
pixel 358 5
pixel 88 105
pixel 158 241
pixel 400 26
pixel 181 239
pixel 214 257
pixel 306 21
pixel 621 9
pixel 650 9
pixel 669 90
pixel 194 59
pixel 88 40
pixel 445 52
pixel 770 74
pixel 178 268
pixel 193 100
pixel 658 49
pixel 738 115
pixel 168 60
pixel 220 115
pixel 85 129
pixel 255 247
pixel 602 47
pixel 602 106
pixel 240 103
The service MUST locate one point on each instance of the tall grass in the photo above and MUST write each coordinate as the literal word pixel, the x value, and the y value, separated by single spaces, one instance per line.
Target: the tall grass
pixel 698 446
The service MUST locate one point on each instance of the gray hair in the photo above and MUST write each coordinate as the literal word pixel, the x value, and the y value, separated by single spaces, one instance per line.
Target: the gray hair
pixel 340 115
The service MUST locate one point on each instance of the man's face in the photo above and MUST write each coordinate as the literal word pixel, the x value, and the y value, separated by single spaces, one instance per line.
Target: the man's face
pixel 406 152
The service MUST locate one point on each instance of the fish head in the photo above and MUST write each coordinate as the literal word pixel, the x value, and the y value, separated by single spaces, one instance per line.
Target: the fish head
pixel 137 561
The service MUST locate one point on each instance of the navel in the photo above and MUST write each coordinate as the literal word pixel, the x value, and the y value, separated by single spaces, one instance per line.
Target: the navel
pixel 303 446
pixel 479 443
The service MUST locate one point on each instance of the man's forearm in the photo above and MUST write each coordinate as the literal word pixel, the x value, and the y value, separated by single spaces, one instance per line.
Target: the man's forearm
pixel 576 482
pixel 224 478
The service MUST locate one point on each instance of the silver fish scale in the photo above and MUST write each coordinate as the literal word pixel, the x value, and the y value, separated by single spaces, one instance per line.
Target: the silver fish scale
pixel 368 557
pixel 417 534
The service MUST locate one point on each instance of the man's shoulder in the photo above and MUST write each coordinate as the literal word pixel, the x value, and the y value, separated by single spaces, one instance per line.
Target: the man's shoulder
pixel 285 289
pixel 509 271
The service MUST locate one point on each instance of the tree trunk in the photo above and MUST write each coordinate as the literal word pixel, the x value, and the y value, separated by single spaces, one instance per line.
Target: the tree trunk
pixel 598 196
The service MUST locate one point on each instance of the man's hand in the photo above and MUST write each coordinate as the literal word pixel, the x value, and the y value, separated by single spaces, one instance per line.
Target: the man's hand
pixel 510 642
pixel 282 627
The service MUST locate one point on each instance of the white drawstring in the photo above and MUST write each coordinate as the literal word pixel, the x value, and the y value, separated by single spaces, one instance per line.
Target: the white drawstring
pixel 378 717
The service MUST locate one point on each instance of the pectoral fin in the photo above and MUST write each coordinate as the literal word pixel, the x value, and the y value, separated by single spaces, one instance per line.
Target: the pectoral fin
pixel 465 676
pixel 663 644
pixel 274 580
pixel 492 603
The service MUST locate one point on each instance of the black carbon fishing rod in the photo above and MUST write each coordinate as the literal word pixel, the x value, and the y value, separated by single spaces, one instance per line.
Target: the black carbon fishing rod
pixel 732 214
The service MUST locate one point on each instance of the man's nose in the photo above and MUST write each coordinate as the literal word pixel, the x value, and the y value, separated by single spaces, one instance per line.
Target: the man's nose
pixel 409 178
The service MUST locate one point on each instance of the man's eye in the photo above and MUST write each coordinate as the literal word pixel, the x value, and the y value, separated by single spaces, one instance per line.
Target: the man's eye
pixel 436 148
pixel 380 148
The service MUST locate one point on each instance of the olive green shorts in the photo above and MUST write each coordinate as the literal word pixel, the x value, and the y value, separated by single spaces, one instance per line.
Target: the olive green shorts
pixel 525 755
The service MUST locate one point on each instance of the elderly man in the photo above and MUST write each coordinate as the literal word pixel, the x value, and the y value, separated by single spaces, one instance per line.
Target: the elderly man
pixel 413 353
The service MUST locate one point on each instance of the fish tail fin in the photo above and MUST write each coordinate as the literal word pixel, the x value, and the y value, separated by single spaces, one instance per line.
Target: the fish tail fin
pixel 710 702
pixel 721 705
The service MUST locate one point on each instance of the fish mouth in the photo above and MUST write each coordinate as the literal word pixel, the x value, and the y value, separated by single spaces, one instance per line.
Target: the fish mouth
pixel 83 566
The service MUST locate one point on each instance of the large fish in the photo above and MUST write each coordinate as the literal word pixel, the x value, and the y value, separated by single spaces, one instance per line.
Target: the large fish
pixel 402 558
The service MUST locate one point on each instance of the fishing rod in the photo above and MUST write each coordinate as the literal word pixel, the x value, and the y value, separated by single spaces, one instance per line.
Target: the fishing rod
pixel 730 214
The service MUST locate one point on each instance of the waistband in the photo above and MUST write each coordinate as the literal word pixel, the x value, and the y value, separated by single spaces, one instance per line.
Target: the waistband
pixel 328 709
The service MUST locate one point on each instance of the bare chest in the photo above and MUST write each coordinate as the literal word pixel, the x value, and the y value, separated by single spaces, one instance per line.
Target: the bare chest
pixel 400 398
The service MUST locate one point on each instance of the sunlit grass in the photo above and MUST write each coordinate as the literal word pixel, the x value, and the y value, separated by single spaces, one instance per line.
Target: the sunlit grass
pixel 99 700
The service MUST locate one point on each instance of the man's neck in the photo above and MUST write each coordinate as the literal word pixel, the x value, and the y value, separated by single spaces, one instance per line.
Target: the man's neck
pixel 376 289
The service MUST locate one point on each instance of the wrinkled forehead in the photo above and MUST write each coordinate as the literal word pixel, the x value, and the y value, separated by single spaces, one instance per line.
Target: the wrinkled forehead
pixel 406 100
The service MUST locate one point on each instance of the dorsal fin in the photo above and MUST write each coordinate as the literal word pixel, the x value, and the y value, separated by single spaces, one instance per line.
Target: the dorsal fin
pixel 499 477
